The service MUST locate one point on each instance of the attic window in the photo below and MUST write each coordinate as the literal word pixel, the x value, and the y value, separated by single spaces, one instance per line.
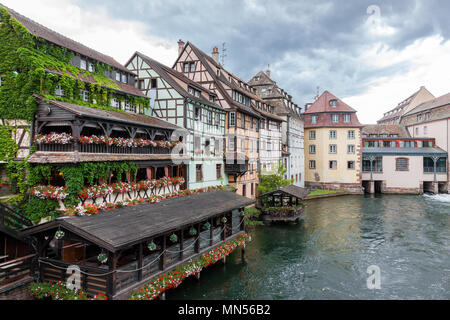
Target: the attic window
pixel 83 64
pixel 91 67
pixel 333 103
pixel 154 83
pixel 194 92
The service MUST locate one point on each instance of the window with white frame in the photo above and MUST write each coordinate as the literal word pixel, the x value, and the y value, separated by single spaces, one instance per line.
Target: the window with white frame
pixel 210 117
pixel 314 119
pixel 351 134
pixel 312 135
pixel 118 76
pixel 115 103
pixel 346 118
pixel 59 91
pixel 84 95
pixel 91 67
pixel 333 164
pixel 83 64
pixel 312 149
pixel 333 134
pixel 333 148
pixel 124 78
pixel 350 149
pixel 335 118
pixel 312 164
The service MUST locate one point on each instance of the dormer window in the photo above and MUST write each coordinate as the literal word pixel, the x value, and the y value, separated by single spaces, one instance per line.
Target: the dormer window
pixel 115 103
pixel 335 118
pixel 91 67
pixel 314 119
pixel 333 103
pixel 124 78
pixel 194 92
pixel 83 64
pixel 118 76
pixel 346 118
pixel 211 98
pixel 84 95
pixel 59 91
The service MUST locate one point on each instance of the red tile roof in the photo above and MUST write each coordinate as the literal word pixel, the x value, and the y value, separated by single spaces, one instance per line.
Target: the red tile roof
pixel 324 111
pixel 322 104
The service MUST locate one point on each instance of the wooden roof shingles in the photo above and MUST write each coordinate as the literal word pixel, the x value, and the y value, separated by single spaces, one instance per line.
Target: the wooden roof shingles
pixel 121 228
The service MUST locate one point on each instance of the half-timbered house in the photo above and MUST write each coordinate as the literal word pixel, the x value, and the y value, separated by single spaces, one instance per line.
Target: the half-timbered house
pixel 185 103
pixel 292 127
pixel 242 121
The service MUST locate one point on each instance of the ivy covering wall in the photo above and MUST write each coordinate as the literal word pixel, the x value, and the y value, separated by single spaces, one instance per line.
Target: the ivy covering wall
pixel 75 178
pixel 29 64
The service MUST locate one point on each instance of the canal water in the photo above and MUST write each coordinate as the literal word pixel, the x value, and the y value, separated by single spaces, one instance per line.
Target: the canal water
pixel 327 255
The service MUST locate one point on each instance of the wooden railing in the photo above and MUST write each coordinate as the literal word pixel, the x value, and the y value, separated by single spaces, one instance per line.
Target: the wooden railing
pixel 12 220
pixel 102 148
pixel 15 271
pixel 93 280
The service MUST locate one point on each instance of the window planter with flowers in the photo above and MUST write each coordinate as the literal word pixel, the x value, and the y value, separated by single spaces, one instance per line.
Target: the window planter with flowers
pixel 59 291
pixel 103 144
pixel 174 278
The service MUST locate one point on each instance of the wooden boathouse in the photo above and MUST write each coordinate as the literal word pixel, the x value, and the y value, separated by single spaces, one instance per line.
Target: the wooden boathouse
pixel 283 204
pixel 138 242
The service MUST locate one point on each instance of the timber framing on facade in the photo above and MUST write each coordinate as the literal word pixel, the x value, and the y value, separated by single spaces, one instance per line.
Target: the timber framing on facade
pixel 183 102
pixel 292 127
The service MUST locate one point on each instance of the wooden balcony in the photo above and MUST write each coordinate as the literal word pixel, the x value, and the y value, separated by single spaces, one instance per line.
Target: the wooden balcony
pixel 236 168
pixel 99 148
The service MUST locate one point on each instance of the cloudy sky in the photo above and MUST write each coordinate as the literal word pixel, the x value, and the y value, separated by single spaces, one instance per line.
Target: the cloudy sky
pixel 372 54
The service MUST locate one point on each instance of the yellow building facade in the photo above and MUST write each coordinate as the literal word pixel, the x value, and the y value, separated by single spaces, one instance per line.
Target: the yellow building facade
pixel 332 145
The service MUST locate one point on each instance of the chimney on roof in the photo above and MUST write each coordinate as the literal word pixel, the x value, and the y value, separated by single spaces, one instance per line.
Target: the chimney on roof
pixel 215 54
pixel 268 73
pixel 180 46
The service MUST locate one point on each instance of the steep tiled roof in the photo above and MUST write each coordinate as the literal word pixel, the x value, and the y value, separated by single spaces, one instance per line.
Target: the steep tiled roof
pixel 206 60
pixel 137 119
pixel 261 79
pixel 385 129
pixel 428 105
pixel 58 39
pixel 90 79
pixel 399 109
pixel 324 112
pixel 322 104
pixel 167 73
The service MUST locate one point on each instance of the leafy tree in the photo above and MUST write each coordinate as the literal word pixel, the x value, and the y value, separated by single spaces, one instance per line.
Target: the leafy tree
pixel 273 180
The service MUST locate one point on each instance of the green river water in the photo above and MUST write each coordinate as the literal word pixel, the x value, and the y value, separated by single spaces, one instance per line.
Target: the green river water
pixel 326 256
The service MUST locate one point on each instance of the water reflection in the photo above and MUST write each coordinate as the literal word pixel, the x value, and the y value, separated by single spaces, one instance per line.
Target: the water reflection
pixel 327 255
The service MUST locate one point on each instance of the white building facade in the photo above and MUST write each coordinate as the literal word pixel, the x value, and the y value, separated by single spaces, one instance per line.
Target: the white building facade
pixel 292 127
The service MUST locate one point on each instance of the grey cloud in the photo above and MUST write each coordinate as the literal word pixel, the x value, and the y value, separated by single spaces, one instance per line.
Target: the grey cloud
pixel 321 38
